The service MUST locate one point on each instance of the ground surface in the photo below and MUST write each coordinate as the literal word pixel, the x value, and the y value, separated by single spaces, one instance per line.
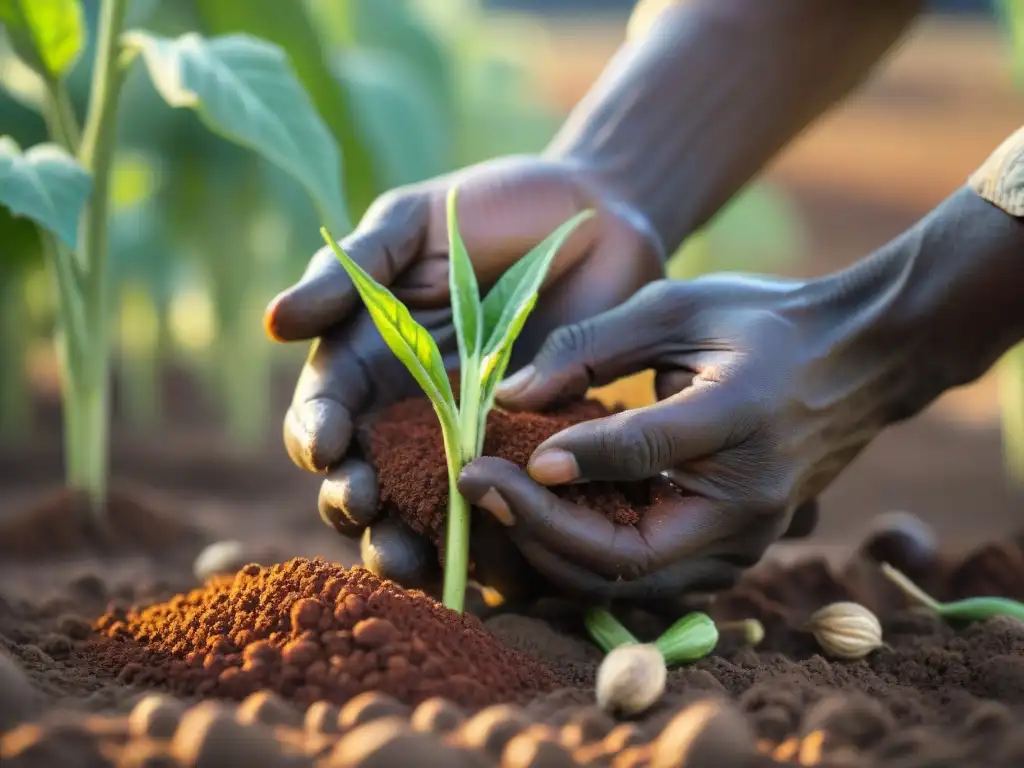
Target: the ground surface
pixel 935 692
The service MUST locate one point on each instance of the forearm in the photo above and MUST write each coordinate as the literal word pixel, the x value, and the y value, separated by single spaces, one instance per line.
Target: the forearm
pixel 936 307
pixel 702 95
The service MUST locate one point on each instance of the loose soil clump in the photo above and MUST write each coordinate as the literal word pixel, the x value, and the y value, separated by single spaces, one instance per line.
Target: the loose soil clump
pixel 63 524
pixel 313 631
pixel 404 444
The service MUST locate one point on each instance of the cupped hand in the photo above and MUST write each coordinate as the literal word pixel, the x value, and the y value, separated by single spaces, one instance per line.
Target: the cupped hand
pixel 758 411
pixel 505 207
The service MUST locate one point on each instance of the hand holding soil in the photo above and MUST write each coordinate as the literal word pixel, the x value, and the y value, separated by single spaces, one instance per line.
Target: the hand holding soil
pixel 509 206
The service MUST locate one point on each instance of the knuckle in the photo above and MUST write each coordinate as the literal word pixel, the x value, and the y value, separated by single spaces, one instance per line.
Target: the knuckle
pixel 634 451
pixel 570 341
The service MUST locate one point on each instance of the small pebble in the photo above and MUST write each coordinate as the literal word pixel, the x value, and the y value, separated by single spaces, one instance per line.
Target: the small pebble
pixel 322 717
pixel 389 743
pixel 367 707
pixel 155 716
pixel 530 749
pixel 209 737
pixel 221 557
pixel 437 715
pixel 268 708
pixel 707 734
pixel 491 729
pixel 586 726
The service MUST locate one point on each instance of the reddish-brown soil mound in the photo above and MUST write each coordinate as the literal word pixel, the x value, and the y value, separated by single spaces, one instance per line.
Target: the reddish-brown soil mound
pixel 405 445
pixel 313 631
pixel 65 524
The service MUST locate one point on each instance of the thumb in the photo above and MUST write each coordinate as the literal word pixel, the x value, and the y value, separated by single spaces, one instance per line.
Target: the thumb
pixel 595 352
pixel 640 443
pixel 384 243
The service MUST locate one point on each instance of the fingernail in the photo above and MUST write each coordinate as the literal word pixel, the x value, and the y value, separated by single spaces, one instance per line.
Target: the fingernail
pixel 554 467
pixel 270 320
pixel 496 505
pixel 516 383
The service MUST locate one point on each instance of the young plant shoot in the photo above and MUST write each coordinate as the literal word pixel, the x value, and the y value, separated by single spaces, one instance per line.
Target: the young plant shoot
pixel 486 331
pixel 632 675
pixel 969 609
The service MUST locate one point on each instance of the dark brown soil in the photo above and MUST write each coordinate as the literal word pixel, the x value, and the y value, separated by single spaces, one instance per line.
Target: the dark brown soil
pixel 312 631
pixel 936 695
pixel 64 524
pixel 405 446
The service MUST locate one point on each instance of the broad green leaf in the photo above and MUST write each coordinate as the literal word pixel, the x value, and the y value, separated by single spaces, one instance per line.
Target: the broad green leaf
pixel 47 34
pixel 465 293
pixel 245 89
pixel 46 185
pixel 509 301
pixel 296 29
pixel 410 341
pixel 387 95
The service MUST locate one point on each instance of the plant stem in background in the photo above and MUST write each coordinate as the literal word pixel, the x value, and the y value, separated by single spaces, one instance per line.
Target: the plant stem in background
pixel 87 390
pixel 1011 411
pixel 971 609
pixel 15 398
pixel 60 116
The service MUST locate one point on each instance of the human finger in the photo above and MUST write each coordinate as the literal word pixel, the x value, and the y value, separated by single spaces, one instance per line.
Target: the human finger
pixel 349 497
pixel 384 244
pixel 670 529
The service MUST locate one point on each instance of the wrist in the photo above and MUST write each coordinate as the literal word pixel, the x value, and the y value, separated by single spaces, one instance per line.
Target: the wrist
pixel 672 126
pixel 931 310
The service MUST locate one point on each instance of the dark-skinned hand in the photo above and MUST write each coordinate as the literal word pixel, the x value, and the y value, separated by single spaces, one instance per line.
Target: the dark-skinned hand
pixel 505 207
pixel 746 425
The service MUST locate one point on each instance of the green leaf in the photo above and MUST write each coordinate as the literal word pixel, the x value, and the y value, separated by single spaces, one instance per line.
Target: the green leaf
pixel 388 94
pixel 509 302
pixel 48 35
pixel 46 185
pixel 294 27
pixel 465 293
pixel 410 341
pixel 245 89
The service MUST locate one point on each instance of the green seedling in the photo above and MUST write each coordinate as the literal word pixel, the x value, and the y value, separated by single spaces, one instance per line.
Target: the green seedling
pixel 971 609
pixel 486 331
pixel 632 675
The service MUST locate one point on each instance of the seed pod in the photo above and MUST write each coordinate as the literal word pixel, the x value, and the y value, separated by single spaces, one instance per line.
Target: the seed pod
pixel 846 630
pixel 631 678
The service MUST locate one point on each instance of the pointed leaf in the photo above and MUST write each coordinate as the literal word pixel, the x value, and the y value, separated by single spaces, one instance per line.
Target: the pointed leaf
pixel 510 296
pixel 305 38
pixel 410 341
pixel 46 185
pixel 48 35
pixel 465 293
pixel 244 89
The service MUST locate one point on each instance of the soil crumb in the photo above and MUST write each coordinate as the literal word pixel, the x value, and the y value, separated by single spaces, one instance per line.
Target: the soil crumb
pixel 405 446
pixel 63 524
pixel 311 631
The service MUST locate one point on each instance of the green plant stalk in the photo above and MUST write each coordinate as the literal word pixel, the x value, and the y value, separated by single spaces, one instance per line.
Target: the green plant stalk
pixel 60 116
pixel 456 550
pixel 15 399
pixel 1011 411
pixel 971 609
pixel 606 631
pixel 88 368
